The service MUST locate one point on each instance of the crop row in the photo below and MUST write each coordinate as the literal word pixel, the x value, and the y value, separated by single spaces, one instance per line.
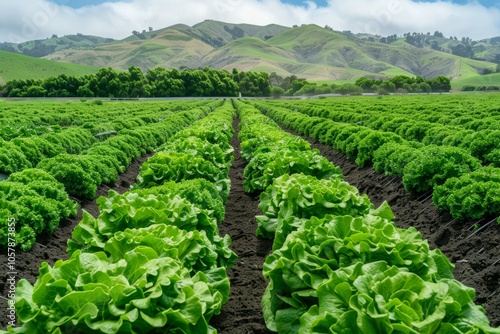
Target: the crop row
pixel 18 152
pixel 39 208
pixel 455 111
pixel 25 119
pixel 478 135
pixel 340 265
pixel 153 261
pixel 441 170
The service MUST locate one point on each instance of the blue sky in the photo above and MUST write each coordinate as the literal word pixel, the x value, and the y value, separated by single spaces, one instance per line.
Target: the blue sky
pixel 320 3
pixel 38 19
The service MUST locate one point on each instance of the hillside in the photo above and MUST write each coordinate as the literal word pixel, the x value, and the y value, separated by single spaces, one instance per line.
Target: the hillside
pixel 17 66
pixel 308 51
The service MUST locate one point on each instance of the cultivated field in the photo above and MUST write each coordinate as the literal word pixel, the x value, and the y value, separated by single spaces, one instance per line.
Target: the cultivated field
pixel 352 214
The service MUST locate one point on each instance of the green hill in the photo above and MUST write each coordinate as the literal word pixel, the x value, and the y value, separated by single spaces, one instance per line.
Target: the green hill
pixel 308 51
pixel 44 47
pixel 477 80
pixel 17 66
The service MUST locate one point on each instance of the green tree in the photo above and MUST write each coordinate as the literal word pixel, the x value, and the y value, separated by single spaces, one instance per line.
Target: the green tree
pixel 440 84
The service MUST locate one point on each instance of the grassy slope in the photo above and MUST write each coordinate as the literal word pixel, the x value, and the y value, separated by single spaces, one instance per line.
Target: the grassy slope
pixel 308 51
pixel 168 48
pixel 477 80
pixel 16 66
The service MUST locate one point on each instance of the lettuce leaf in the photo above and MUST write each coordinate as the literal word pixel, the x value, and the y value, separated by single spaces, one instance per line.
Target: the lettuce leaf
pixel 320 247
pixel 304 196
pixel 379 298
pixel 137 294
pixel 264 168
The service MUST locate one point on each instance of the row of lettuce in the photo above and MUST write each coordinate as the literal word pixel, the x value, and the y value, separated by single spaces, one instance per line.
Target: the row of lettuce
pixel 340 265
pixel 153 260
pixel 22 119
pixel 456 179
pixel 25 143
pixel 71 163
pixel 400 113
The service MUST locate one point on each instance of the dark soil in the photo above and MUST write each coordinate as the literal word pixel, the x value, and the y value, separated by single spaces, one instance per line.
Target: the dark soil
pixel 242 313
pixel 474 251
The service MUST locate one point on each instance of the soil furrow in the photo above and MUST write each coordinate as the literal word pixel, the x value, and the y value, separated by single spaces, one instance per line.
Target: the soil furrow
pixel 242 313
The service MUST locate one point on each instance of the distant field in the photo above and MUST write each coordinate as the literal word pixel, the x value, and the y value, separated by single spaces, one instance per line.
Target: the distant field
pixel 16 66
pixel 478 80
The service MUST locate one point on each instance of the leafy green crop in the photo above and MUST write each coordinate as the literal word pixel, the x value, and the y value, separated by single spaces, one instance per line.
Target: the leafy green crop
pixel 132 211
pixel 264 168
pixel 199 192
pixel 352 274
pixel 37 201
pixel 77 173
pixel 378 298
pixel 143 292
pixel 195 146
pixel 304 196
pixel 471 195
pixel 436 164
pixel 173 166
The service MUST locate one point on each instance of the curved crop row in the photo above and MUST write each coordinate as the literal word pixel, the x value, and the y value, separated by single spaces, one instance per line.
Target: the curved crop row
pixel 152 262
pixel 341 266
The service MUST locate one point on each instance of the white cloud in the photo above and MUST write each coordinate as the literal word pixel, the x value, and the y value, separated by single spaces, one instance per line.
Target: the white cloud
pixel 35 19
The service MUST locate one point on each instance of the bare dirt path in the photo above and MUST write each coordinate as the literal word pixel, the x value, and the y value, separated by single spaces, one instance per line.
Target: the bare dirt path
pixel 242 313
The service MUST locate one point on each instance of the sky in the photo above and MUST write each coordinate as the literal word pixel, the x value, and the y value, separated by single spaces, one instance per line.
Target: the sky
pixel 24 20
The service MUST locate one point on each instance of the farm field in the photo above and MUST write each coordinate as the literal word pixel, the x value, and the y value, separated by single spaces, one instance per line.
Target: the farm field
pixel 229 162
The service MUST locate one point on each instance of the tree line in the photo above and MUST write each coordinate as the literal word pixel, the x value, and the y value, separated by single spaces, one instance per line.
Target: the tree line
pixel 207 82
pixel 157 82
pixel 294 86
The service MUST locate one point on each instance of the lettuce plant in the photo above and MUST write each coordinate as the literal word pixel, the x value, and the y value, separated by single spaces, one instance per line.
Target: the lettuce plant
pixel 144 292
pixel 305 196
pixel 264 168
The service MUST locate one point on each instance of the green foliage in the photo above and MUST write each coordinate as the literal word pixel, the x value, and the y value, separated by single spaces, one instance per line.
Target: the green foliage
pixel 471 195
pixel 142 292
pixel 158 82
pixel 350 298
pixel 199 192
pixel 37 202
pixel 77 173
pixel 305 196
pixel 391 158
pixel 323 250
pixel 402 83
pixel 264 168
pixel 434 165
pixel 202 148
pixel 12 159
pixel 135 211
pixel 172 166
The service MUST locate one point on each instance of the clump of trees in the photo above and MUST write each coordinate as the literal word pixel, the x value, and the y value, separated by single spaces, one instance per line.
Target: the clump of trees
pixel 294 86
pixel 405 84
pixel 157 82
pixel 480 88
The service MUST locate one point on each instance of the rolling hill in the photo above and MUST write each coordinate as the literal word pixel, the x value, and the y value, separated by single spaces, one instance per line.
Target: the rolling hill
pixel 17 66
pixel 308 51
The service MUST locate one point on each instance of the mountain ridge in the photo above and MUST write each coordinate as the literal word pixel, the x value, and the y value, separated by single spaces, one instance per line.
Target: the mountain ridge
pixel 308 51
